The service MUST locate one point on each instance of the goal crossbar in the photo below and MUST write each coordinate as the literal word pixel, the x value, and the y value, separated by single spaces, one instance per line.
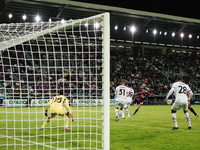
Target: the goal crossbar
pixel 8 41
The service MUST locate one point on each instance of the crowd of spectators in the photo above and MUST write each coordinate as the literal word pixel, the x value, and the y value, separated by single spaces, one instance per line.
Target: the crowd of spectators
pixel 79 73
pixel 155 72
pixel 139 71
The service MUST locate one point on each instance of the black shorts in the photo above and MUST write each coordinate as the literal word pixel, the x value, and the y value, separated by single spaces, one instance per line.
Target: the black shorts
pixel 1 101
pixel 137 102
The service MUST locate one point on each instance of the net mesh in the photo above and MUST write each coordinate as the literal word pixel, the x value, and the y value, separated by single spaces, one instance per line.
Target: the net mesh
pixel 39 61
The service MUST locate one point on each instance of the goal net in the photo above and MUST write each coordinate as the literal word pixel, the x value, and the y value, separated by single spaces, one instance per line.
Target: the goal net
pixel 41 60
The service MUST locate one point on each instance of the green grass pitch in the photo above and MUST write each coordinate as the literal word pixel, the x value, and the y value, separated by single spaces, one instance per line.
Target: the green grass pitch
pixel 150 129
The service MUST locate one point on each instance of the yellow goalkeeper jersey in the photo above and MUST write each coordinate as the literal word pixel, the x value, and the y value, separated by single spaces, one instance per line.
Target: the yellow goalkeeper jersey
pixel 59 105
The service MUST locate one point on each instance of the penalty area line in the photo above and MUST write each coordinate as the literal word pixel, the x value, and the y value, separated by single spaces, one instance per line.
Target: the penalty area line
pixel 194 131
pixel 41 144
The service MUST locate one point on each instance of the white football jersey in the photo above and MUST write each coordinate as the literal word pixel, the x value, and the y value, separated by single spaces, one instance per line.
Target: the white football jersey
pixel 131 93
pixel 180 91
pixel 121 92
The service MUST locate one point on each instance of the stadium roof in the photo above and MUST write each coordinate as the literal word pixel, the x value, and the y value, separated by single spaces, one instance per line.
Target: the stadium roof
pixel 122 17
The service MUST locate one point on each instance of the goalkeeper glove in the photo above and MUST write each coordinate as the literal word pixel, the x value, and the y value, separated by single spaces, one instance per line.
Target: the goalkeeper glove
pixel 72 117
pixel 46 111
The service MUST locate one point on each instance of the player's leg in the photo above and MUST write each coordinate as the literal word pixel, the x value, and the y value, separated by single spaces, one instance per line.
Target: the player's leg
pixel 126 109
pixel 192 110
pixel 175 107
pixel 67 122
pixel 189 104
pixel 52 115
pixel 187 116
pixel 123 117
pixel 116 111
pixel 138 107
pixel 63 112
pixel 1 102
pixel 121 112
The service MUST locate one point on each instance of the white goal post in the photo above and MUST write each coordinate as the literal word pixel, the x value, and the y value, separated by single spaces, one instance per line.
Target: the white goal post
pixel 41 60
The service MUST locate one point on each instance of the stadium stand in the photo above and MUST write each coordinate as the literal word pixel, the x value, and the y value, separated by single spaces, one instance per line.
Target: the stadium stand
pixel 155 72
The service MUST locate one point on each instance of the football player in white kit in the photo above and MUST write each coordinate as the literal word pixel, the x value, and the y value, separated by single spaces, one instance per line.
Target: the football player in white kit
pixel 180 90
pixel 128 100
pixel 121 93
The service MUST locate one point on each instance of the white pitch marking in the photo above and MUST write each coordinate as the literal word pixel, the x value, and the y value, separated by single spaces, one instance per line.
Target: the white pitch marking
pixel 157 128
pixel 42 144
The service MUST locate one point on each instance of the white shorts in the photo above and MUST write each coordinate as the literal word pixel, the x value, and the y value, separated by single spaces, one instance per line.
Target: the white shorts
pixel 178 105
pixel 127 103
pixel 123 103
pixel 119 103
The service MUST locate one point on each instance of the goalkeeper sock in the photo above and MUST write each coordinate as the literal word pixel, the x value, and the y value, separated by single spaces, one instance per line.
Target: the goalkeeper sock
pixel 192 110
pixel 188 118
pixel 45 123
pixel 174 120
pixel 67 122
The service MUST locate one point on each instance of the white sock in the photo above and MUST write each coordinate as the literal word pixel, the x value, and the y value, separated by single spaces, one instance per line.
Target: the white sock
pixel 122 113
pixel 66 126
pixel 116 112
pixel 188 118
pixel 174 120
pixel 127 112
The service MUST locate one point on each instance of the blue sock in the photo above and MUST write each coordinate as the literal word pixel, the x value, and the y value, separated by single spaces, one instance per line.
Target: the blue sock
pixel 135 111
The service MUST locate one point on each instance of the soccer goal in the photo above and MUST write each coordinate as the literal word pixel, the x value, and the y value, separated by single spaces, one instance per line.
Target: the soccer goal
pixel 44 59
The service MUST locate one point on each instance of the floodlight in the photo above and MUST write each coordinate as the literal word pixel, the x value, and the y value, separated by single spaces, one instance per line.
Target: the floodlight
pixel 154 31
pixel 116 27
pixel 24 17
pixel 62 21
pixel 37 18
pixel 133 29
pixel 173 34
pixel 96 25
pixel 165 33
pixel 124 28
pixel 86 24
pixel 182 35
pixel 190 36
pixel 10 15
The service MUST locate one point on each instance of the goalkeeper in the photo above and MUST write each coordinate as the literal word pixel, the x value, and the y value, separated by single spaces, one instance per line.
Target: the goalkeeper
pixel 58 106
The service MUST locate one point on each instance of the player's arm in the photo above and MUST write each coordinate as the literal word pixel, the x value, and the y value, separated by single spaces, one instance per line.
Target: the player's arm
pixel 170 93
pixel 66 105
pixel 115 94
pixel 127 94
pixel 47 106
pixel 154 94
pixel 135 93
pixel 190 94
